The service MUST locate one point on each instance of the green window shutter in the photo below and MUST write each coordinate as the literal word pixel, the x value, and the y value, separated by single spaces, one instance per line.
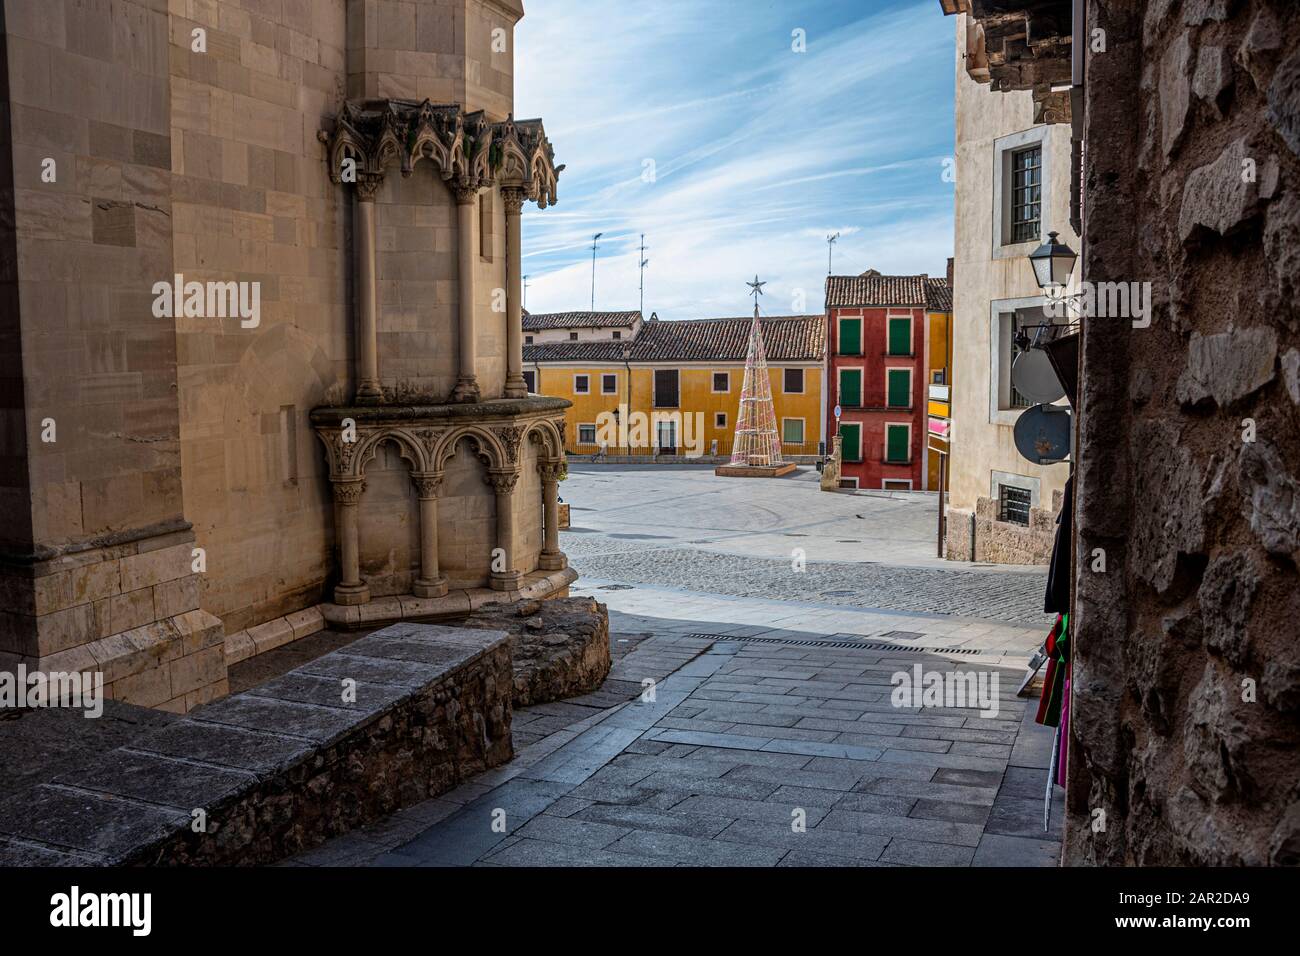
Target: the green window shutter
pixel 896 443
pixel 900 336
pixel 851 387
pixel 899 382
pixel 850 442
pixel 792 431
pixel 850 336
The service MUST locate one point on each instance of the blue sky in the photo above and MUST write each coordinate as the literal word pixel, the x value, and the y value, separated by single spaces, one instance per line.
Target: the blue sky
pixel 758 152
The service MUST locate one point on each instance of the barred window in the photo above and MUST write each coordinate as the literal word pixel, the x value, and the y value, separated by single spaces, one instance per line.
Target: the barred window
pixel 1026 193
pixel 1013 504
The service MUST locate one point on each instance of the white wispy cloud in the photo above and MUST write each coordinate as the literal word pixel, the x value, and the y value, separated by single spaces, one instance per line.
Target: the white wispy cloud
pixel 757 152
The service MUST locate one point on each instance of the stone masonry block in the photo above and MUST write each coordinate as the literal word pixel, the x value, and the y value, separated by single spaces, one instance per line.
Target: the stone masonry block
pixel 239 647
pixel 176 597
pixel 306 622
pixel 198 670
pixel 156 567
pixel 147 689
pixel 271 635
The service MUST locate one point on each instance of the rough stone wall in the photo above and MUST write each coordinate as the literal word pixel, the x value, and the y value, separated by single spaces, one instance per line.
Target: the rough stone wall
pixel 1187 674
pixel 980 536
pixel 1005 542
pixel 558 648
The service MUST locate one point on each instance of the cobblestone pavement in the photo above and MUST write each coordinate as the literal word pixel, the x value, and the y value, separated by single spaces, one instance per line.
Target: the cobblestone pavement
pixel 1015 597
pixel 682 527
pixel 750 754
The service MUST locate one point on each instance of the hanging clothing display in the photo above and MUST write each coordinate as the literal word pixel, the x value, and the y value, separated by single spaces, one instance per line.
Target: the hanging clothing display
pixel 1058 643
pixel 1057 599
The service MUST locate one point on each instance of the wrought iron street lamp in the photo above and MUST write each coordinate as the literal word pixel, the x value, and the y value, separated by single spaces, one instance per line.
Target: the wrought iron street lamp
pixel 1053 262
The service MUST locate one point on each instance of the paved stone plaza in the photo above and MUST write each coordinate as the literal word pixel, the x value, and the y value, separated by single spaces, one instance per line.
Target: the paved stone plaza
pixel 680 527
pixel 766 711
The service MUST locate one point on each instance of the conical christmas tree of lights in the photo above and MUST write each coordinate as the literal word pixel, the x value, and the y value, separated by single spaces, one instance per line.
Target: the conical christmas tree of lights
pixel 757 441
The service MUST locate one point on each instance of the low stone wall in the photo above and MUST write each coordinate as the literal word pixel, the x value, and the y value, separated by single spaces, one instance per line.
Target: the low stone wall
pixel 560 648
pixel 393 718
pixel 986 539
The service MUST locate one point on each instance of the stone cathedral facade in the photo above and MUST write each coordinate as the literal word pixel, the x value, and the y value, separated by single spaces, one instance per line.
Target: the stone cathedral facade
pixel 261 331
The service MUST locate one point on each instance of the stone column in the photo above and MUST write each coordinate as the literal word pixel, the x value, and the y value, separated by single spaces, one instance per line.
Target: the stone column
pixel 368 389
pixel 515 385
pixel 552 558
pixel 503 483
pixel 466 389
pixel 430 583
pixel 350 589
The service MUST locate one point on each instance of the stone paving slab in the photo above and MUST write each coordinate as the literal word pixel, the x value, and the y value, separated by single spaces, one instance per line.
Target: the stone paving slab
pixel 701 777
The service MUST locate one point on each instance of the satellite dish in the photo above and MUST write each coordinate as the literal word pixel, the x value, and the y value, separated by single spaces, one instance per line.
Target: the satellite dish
pixel 1033 376
pixel 1043 434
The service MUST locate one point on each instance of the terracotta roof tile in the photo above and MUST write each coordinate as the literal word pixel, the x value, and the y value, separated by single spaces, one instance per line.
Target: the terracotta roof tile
pixel 537 321
pixel 873 289
pixel 938 295
pixel 800 338
pixel 594 351
pixel 786 339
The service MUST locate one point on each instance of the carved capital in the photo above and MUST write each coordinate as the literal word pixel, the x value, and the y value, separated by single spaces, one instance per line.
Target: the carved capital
pixel 348 492
pixel 550 470
pixel 339 450
pixel 465 193
pixel 502 482
pixel 513 197
pixel 367 185
pixel 427 484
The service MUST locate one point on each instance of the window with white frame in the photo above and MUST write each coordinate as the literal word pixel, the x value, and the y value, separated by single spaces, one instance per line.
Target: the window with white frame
pixel 581 385
pixel 721 382
pixel 587 434
pixel 1026 193
pixel 609 384
pixel 1022 201
pixel 793 381
pixel 719 419
pixel 792 431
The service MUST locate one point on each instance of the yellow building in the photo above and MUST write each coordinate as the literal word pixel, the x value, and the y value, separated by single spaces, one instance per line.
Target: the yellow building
pixel 938 315
pixel 674 388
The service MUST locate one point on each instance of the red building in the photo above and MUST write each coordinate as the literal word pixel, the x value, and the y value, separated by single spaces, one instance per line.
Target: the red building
pixel 878 374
